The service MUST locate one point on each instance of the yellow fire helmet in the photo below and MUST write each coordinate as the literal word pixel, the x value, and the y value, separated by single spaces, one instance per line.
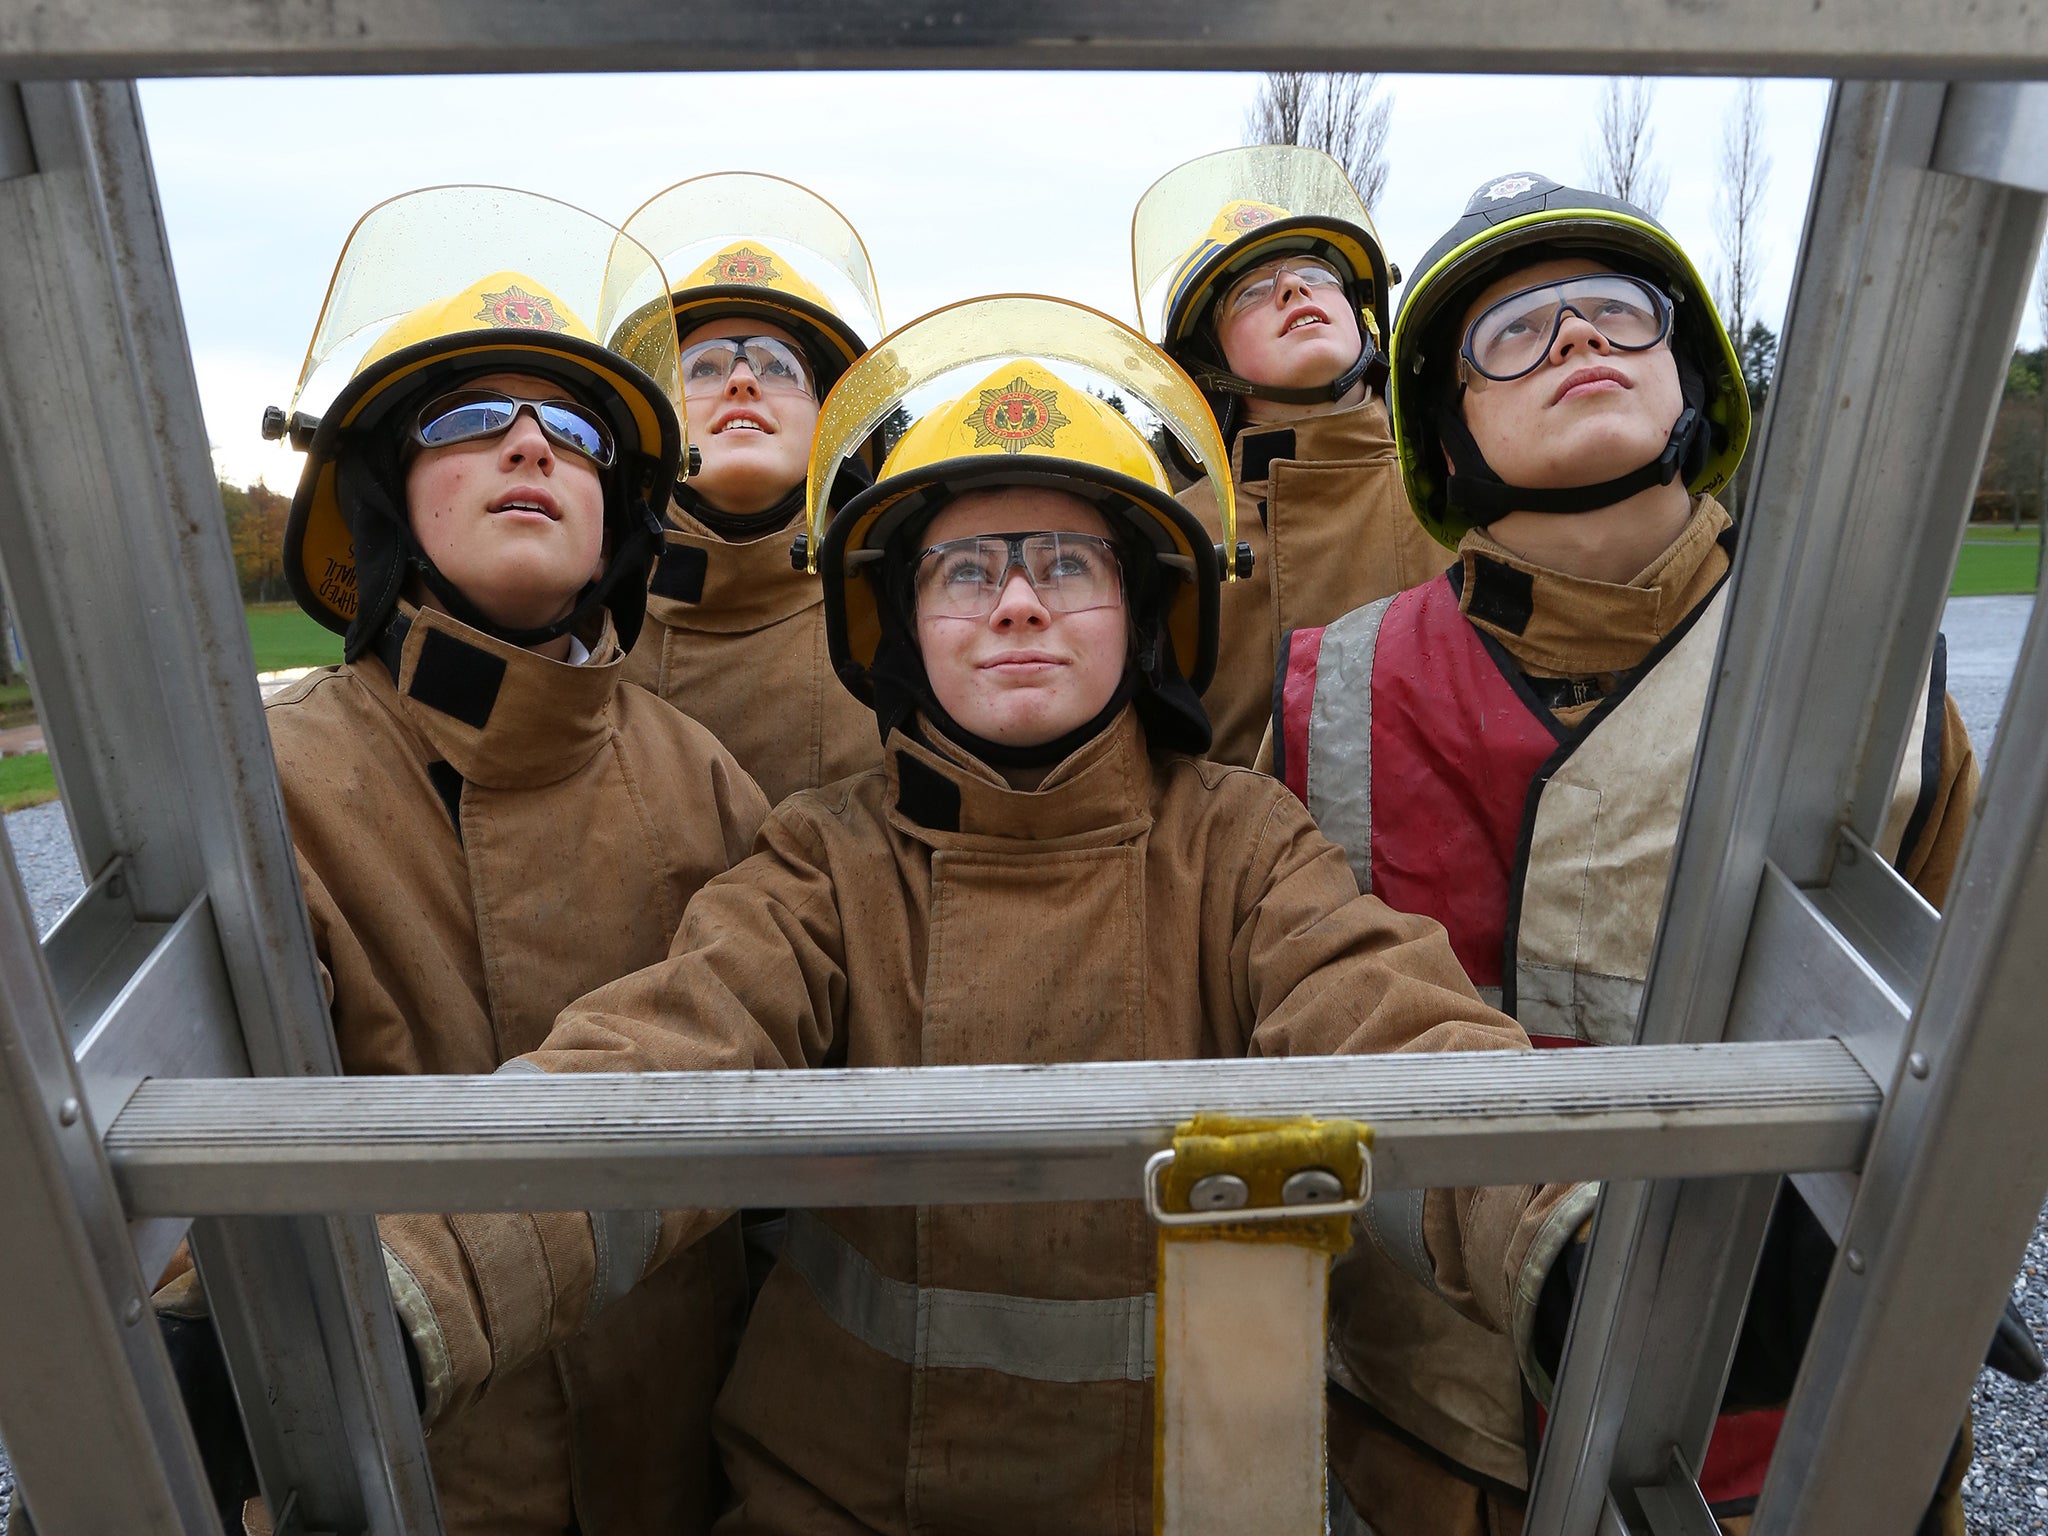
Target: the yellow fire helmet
pixel 1025 423
pixel 737 243
pixel 1203 224
pixel 564 296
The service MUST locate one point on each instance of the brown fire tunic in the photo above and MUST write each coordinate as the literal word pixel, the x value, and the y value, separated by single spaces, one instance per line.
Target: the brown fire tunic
pixel 1320 502
pixel 735 638
pixel 957 1368
pixel 480 842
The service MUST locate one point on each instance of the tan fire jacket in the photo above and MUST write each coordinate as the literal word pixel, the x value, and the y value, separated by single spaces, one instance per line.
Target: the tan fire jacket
pixel 1320 502
pixel 974 1368
pixel 1428 1375
pixel 479 843
pixel 735 638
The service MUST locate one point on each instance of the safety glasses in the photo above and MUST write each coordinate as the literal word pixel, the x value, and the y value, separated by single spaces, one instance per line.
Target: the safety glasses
pixel 1257 287
pixel 1513 336
pixel 776 365
pixel 470 415
pixel 964 578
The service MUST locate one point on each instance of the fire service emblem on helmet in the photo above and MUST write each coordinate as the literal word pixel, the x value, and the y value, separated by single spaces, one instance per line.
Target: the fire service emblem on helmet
pixel 1016 417
pixel 741 265
pixel 514 309
pixel 1250 216
pixel 1509 186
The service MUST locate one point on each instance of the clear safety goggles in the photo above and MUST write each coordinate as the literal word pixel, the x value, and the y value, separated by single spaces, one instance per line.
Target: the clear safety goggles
pixel 1070 572
pixel 470 415
pixel 1513 336
pixel 1257 287
pixel 775 364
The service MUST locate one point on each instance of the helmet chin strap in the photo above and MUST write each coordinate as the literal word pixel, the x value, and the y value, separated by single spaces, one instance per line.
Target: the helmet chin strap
pixel 1480 496
pixel 1369 367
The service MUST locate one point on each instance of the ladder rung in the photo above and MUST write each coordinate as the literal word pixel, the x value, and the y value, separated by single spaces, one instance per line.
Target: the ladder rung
pixel 944 1135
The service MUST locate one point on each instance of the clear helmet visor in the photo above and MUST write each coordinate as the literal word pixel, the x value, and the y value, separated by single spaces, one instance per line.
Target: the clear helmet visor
pixel 694 220
pixel 975 332
pixel 1197 209
pixel 421 248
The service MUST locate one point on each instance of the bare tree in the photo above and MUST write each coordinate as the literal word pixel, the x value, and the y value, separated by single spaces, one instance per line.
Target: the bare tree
pixel 1745 173
pixel 1346 115
pixel 1618 160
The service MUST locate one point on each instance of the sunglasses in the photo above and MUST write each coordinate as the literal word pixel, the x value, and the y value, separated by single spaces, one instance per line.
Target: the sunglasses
pixel 471 415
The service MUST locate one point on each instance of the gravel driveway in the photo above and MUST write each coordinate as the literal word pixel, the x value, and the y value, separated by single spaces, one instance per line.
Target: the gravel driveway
pixel 2007 1490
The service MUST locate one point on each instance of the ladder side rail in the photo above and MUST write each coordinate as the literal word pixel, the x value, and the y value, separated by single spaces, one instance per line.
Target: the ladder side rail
pixel 1865 38
pixel 89 1408
pixel 1953 1185
pixel 1901 323
pixel 117 555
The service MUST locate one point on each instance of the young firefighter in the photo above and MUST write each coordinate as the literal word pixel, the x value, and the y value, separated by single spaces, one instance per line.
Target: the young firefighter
pixel 735 637
pixel 1507 747
pixel 489 825
pixel 1259 270
pixel 1043 869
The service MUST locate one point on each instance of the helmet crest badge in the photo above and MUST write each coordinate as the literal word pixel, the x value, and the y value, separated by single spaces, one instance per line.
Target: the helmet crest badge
pixel 743 265
pixel 1016 417
pixel 514 309
pixel 1509 187
pixel 1250 216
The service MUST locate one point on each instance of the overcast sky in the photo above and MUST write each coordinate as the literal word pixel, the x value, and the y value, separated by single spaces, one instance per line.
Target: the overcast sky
pixel 961 184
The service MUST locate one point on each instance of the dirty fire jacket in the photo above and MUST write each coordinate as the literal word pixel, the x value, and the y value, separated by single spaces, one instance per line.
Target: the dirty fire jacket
pixel 1320 502
pixel 1134 907
pixel 479 843
pixel 1622 741
pixel 735 638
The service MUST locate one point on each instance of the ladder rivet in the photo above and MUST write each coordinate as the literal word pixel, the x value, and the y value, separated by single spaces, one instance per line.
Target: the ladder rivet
pixel 1848 853
pixel 67 1112
pixel 132 1313
pixel 1917 1064
pixel 1219 1192
pixel 1312 1186
pixel 117 887
pixel 1854 1259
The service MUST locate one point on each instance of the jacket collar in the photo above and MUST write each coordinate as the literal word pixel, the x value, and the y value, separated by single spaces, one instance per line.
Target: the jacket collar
pixel 941 795
pixel 1558 625
pixel 500 716
pixel 1359 431
pixel 705 584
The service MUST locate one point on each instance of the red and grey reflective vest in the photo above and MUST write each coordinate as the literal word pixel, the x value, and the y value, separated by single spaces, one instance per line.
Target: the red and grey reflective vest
pixel 1420 748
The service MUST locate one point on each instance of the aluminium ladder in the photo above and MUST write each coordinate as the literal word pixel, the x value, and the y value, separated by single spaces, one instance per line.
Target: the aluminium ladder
pixel 1807 1013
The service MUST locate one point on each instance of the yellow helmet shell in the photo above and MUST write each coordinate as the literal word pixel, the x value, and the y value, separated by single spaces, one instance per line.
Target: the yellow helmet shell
pixel 1023 424
pixel 1204 223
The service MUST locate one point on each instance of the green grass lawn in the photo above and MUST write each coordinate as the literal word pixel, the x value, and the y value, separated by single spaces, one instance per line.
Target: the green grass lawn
pixel 26 780
pixel 283 636
pixel 1988 567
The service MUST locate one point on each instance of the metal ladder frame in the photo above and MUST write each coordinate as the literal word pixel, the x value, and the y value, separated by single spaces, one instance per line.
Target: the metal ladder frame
pixel 1889 1055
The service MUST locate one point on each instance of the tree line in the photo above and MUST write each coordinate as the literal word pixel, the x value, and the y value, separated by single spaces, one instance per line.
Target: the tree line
pixel 255 517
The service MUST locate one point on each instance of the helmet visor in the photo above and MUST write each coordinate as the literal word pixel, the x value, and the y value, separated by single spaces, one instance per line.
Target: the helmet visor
pixel 693 219
pixel 1179 213
pixel 423 246
pixel 979 331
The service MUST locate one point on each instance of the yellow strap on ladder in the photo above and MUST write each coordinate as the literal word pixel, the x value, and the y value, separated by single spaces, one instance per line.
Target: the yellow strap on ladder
pixel 1250 1213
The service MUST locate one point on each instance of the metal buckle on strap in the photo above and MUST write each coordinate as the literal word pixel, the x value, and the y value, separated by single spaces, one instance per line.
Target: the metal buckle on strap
pixel 1310 1193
